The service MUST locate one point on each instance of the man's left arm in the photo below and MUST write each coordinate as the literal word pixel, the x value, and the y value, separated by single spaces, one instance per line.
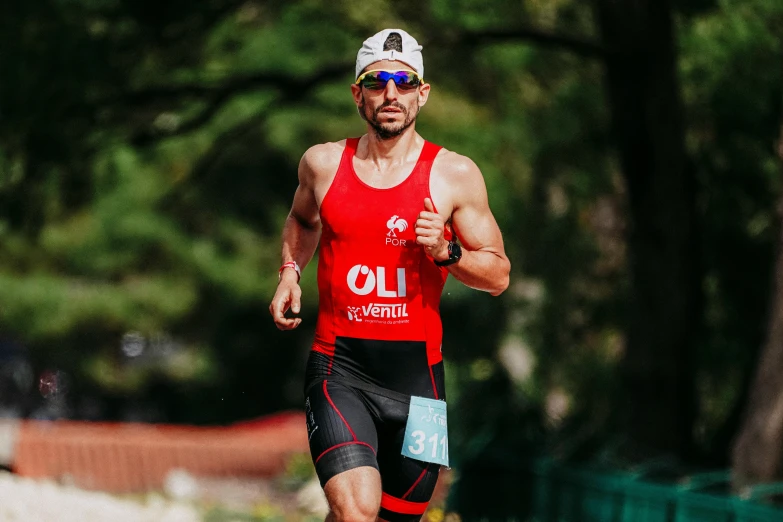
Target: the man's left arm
pixel 484 265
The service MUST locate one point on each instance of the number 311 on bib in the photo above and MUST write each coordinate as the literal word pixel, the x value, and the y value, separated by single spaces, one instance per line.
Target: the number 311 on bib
pixel 426 433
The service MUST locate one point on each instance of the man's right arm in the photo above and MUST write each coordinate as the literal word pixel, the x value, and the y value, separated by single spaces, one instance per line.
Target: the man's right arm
pixel 301 233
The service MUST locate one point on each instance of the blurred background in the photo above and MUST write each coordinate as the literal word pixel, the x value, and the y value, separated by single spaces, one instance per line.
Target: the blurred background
pixel 632 153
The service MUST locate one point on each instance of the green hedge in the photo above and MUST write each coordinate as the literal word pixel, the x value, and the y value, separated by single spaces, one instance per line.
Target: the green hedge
pixel 656 493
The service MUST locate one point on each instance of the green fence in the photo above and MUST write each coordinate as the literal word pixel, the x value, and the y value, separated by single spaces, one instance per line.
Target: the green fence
pixel 656 492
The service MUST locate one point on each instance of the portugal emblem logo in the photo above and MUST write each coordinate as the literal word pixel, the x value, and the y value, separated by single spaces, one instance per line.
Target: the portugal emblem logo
pixel 396 223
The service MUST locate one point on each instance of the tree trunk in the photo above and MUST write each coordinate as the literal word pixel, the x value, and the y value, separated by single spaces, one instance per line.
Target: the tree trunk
pixel 757 450
pixel 665 308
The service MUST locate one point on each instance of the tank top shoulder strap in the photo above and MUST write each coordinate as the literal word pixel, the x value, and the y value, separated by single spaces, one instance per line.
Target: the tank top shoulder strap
pixel 343 175
pixel 429 152
pixel 423 167
pixel 422 176
pixel 349 152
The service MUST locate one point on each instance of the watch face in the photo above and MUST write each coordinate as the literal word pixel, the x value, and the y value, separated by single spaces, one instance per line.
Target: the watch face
pixel 455 253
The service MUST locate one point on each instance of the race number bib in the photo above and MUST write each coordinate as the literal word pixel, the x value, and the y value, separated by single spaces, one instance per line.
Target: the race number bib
pixel 426 434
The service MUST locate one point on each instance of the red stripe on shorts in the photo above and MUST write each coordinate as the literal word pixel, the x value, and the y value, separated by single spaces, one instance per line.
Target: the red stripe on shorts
pixel 405 507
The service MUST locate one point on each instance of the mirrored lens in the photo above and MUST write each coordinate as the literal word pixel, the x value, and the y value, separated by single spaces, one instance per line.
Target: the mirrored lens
pixel 373 84
pixel 378 79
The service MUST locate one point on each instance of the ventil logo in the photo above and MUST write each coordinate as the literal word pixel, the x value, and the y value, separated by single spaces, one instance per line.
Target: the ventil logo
pixel 355 314
pixel 379 313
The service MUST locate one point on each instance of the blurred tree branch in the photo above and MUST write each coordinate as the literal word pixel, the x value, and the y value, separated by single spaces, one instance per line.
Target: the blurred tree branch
pixel 297 88
pixel 221 144
pixel 168 93
pixel 575 45
pixel 293 89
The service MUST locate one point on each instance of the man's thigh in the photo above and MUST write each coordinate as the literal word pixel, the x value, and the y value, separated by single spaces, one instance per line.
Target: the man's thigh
pixel 408 483
pixel 347 447
pixel 341 430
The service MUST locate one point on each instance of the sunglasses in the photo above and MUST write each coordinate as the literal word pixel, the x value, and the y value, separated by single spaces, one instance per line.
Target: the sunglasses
pixel 377 79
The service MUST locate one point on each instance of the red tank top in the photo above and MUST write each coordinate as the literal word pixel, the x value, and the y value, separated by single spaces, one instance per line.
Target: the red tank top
pixel 374 280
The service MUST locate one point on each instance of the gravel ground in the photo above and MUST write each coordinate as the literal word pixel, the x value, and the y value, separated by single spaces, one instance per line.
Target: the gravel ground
pixel 26 500
pixel 184 499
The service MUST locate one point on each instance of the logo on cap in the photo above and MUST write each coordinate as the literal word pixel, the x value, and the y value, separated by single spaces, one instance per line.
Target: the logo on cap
pixel 393 43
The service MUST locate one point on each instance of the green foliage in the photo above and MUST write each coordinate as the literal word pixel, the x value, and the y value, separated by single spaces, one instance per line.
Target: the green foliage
pixel 299 470
pixel 731 70
pixel 148 158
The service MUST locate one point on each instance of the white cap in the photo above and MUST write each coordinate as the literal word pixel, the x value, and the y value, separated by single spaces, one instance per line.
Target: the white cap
pixel 390 44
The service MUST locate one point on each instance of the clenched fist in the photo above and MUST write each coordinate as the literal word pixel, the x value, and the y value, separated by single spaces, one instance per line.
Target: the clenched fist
pixel 288 295
pixel 430 232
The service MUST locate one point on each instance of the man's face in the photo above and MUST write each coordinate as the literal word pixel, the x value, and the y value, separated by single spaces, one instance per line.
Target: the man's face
pixel 390 110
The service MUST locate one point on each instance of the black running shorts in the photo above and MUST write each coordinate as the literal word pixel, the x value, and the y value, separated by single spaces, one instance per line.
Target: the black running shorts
pixel 357 403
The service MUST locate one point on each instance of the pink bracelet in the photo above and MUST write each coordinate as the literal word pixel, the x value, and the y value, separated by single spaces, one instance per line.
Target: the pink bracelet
pixel 290 264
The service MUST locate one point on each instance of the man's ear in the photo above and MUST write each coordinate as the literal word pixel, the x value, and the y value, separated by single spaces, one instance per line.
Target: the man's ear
pixel 424 94
pixel 356 91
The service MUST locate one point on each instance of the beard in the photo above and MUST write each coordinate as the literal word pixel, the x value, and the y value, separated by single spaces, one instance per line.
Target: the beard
pixel 387 131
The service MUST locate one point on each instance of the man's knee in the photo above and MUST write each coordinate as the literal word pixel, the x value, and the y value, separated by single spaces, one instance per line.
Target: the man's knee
pixel 361 511
pixel 354 496
pixel 355 508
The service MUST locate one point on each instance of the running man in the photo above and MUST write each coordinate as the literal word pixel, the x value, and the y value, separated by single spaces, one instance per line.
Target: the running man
pixel 394 214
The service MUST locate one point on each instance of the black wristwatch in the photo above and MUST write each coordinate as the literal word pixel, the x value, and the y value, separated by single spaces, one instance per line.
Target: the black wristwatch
pixel 455 253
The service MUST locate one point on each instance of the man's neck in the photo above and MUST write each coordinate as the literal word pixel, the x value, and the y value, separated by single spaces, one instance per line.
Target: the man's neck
pixel 392 150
